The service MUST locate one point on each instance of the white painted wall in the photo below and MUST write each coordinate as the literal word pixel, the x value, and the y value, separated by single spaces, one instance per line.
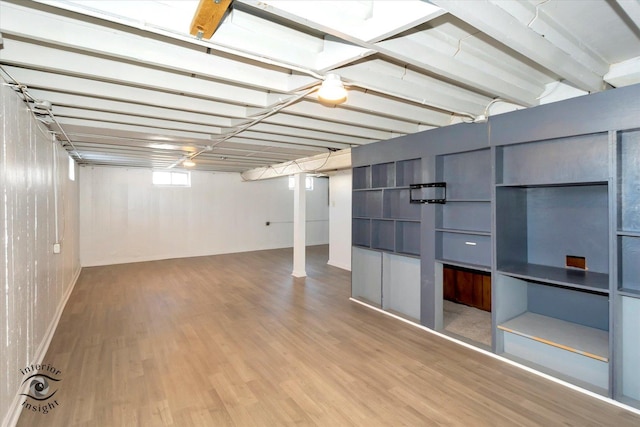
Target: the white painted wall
pixel 125 218
pixel 35 281
pixel 340 219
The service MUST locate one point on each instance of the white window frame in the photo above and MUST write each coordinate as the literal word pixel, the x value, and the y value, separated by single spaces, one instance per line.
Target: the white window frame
pixel 172 178
pixel 72 169
pixel 308 183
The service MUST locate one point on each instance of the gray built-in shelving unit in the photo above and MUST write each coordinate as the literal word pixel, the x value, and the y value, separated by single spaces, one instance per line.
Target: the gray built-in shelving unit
pixel 386 236
pixel 547 200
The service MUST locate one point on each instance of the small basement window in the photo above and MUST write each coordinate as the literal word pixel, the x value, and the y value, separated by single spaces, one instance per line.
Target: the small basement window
pixel 72 169
pixel 175 179
pixel 308 182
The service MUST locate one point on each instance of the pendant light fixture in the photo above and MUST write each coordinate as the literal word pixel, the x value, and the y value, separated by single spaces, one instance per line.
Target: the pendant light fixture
pixel 332 90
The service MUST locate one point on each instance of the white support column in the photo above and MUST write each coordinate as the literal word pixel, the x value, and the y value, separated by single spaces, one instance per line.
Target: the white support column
pixel 299 225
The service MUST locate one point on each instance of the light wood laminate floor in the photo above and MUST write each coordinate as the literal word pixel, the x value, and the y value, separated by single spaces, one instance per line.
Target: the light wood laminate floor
pixel 235 340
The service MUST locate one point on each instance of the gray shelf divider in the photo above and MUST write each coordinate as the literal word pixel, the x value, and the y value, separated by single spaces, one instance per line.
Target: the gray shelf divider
pixel 572 278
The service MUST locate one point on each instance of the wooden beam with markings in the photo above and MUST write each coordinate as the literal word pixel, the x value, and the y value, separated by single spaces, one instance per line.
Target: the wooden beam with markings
pixel 208 16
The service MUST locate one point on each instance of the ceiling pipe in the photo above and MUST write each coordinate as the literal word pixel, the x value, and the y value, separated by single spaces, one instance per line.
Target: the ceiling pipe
pixel 41 107
pixel 246 126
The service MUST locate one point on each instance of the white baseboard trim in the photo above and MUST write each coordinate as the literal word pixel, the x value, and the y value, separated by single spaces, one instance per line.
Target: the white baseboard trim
pixel 510 362
pixel 14 412
pixel 339 265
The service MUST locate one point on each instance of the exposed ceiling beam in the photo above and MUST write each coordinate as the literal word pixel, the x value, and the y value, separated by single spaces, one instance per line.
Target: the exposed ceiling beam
pixel 97 39
pixel 319 163
pixel 293 121
pixel 392 79
pixel 93 88
pixel 99 117
pixel 18 52
pixel 368 21
pixel 340 114
pixel 208 16
pixel 624 73
pixel 536 17
pixel 505 28
pixel 83 125
pixel 303 134
pixel 423 58
pixel 291 140
pixel 90 103
pixel 632 9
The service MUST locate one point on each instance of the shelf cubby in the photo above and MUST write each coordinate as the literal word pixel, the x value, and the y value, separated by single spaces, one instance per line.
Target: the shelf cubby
pixel 465 216
pixel 361 177
pixel 563 330
pixel 539 227
pixel 467 174
pixel 408 237
pixel 383 234
pixel 383 175
pixel 396 205
pixel 629 181
pixel 367 203
pixel 577 159
pixel 408 172
pixel 361 232
pixel 629 264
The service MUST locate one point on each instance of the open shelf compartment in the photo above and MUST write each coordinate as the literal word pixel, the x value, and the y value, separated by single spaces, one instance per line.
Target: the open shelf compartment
pixel 628 179
pixel 577 159
pixel 629 264
pixel 361 177
pixel 408 172
pixel 383 175
pixel 562 330
pixel 540 228
pixel 467 174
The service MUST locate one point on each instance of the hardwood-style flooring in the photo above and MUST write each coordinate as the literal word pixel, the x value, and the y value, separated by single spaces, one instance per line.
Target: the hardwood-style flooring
pixel 235 340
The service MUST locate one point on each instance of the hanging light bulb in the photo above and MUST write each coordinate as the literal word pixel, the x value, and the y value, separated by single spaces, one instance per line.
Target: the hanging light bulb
pixel 332 90
pixel 188 163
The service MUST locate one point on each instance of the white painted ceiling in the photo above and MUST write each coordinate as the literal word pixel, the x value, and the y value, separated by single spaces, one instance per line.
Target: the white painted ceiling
pixel 131 87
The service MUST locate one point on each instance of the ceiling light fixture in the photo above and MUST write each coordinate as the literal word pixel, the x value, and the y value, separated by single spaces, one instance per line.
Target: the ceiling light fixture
pixel 332 90
pixel 188 163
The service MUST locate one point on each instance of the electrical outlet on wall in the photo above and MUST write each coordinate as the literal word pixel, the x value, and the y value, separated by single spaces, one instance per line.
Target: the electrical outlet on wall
pixel 56 248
